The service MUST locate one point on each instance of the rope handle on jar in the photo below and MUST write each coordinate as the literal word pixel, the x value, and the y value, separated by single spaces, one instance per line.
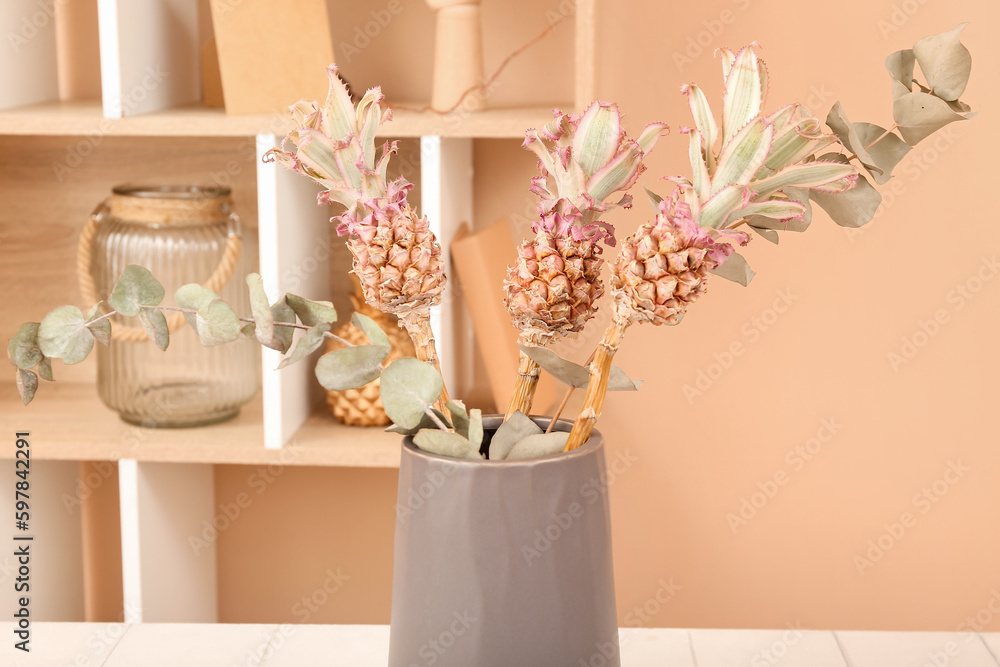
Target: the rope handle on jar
pixel 175 320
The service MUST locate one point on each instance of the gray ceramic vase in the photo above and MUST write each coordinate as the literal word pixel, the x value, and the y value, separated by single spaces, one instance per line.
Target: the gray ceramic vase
pixel 503 563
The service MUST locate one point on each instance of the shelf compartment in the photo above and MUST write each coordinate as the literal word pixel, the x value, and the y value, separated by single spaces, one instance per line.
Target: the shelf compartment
pixel 68 422
pixel 85 118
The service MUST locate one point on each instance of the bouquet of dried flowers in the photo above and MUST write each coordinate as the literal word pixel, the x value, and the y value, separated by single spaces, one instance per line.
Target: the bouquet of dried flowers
pixel 753 171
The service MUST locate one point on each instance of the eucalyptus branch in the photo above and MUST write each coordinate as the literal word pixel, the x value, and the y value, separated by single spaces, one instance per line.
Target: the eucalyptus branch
pixel 434 418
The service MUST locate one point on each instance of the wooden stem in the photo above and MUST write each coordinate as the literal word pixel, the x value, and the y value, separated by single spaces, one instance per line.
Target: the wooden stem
pixel 882 136
pixel 418 325
pixel 562 406
pixel 524 389
pixel 565 400
pixel 597 388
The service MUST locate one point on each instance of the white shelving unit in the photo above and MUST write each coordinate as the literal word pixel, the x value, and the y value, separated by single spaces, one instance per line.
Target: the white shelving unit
pixel 166 477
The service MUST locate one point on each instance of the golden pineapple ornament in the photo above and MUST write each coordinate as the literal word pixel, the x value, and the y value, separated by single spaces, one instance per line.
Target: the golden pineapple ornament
pixel 363 407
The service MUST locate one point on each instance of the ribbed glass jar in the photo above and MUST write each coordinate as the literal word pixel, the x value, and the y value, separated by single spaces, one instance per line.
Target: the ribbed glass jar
pixel 181 234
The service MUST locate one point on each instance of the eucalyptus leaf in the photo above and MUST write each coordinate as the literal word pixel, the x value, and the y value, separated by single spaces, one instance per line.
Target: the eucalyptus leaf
pixel 45 370
pixel 736 269
pixel 409 387
pixel 512 431
pixel 886 152
pixel 308 343
pixel 475 434
pixel 249 329
pixel 768 234
pixel 260 307
pixel 23 348
pixel 445 443
pixel 618 380
pixel 563 370
pixel 370 329
pixel 155 325
pixel 192 297
pixel 63 334
pixel 218 324
pixel 100 328
pixel 312 312
pixel 459 416
pixel 852 208
pixel 426 422
pixel 351 367
pixel 537 446
pixel 920 115
pixel 900 66
pixel 847 132
pixel 945 62
pixel 282 339
pixel 27 383
pixel 959 106
pixel 136 287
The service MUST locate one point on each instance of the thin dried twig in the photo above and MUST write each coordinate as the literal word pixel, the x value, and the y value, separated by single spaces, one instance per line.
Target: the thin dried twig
pixel 490 79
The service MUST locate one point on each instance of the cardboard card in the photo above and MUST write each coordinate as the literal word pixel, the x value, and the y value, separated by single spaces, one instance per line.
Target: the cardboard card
pixel 271 54
pixel 480 260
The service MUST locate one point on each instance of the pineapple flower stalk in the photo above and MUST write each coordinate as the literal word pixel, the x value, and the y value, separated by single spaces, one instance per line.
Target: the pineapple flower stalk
pixel 660 270
pixel 765 164
pixel 762 171
pixel 396 256
pixel 552 289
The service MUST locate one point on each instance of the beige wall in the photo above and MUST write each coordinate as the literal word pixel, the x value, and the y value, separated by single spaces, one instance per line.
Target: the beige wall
pixel 856 296
pixel 820 360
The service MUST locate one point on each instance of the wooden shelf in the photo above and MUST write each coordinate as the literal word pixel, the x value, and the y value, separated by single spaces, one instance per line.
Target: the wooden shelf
pixel 67 421
pixel 83 118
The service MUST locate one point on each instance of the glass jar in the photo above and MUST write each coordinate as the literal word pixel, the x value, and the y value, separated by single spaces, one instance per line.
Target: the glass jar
pixel 182 235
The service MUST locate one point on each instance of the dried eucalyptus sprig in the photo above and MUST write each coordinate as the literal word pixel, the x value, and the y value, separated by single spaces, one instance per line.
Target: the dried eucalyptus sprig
pixel 409 388
pixel 66 334
pixel 396 256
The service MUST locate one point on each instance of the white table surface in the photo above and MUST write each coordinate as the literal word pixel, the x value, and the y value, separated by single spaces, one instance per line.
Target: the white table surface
pixel 197 645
